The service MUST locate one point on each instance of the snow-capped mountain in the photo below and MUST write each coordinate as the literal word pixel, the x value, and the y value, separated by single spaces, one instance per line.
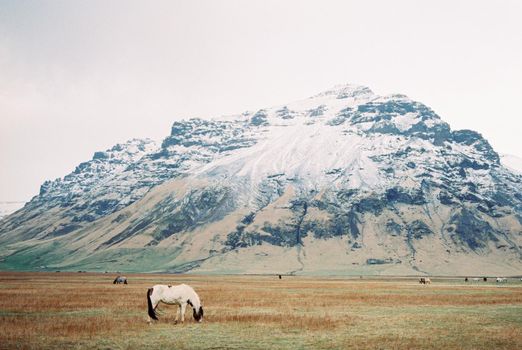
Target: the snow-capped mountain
pixel 344 182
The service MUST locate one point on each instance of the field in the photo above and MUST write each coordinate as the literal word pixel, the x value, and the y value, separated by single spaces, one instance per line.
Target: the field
pixel 83 310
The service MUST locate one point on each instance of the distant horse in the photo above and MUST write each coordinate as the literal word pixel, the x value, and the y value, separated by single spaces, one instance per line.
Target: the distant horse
pixel 120 279
pixel 465 279
pixel 180 295
pixel 476 279
pixel 425 280
pixel 485 279
pixel 501 280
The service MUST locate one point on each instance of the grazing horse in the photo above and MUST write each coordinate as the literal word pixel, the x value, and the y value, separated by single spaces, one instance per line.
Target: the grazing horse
pixel 120 279
pixel 180 295
pixel 476 279
pixel 424 280
pixel 501 280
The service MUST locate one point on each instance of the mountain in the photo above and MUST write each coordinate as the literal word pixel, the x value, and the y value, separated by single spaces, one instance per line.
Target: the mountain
pixel 344 182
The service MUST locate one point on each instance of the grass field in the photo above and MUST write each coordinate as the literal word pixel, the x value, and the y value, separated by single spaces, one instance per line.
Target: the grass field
pixel 82 310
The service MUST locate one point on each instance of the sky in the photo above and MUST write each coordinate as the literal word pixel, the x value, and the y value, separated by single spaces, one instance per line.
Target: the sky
pixel 80 76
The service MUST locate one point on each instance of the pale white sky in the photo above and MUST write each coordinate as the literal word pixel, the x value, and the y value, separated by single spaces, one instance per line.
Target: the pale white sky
pixel 80 76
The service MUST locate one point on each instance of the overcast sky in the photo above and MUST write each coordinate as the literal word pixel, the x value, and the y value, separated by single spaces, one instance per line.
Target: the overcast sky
pixel 80 76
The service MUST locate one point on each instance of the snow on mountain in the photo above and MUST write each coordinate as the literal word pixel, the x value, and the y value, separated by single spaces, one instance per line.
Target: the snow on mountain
pixel 344 182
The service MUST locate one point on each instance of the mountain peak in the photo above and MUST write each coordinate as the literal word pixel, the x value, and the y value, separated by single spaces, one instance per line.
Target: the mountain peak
pixel 347 90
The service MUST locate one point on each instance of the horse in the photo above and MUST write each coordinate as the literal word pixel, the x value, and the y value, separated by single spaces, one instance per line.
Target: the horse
pixel 425 280
pixel 501 280
pixel 120 279
pixel 476 279
pixel 180 295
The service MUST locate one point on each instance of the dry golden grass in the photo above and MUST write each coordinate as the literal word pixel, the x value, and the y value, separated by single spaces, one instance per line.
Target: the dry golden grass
pixel 82 310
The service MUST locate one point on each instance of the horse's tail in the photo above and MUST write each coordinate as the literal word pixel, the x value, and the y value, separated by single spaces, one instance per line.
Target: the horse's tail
pixel 152 313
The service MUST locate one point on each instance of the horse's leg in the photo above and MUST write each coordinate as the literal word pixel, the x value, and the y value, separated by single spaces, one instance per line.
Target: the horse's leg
pixel 182 307
pixel 178 312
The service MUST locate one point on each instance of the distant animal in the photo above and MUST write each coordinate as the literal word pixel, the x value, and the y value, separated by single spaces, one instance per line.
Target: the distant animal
pixel 476 279
pixel 501 280
pixel 485 279
pixel 425 280
pixel 465 279
pixel 280 277
pixel 120 279
pixel 180 295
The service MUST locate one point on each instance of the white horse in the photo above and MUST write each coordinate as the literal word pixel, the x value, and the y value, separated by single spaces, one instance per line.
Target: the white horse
pixel 180 295
pixel 501 280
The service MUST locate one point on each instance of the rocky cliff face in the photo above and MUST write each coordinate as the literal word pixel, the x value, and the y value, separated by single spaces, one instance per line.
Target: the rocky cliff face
pixel 344 182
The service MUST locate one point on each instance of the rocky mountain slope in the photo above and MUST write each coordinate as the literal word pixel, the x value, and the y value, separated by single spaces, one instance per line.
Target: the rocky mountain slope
pixel 344 182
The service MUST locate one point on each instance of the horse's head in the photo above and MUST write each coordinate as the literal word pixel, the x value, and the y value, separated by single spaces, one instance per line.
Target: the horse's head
pixel 197 312
pixel 198 316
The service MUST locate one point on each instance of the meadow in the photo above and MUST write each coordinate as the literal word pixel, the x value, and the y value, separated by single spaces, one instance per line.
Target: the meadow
pixel 85 310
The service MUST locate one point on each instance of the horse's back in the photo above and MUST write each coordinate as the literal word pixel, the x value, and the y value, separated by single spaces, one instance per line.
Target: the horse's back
pixel 159 288
pixel 182 288
pixel 163 288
